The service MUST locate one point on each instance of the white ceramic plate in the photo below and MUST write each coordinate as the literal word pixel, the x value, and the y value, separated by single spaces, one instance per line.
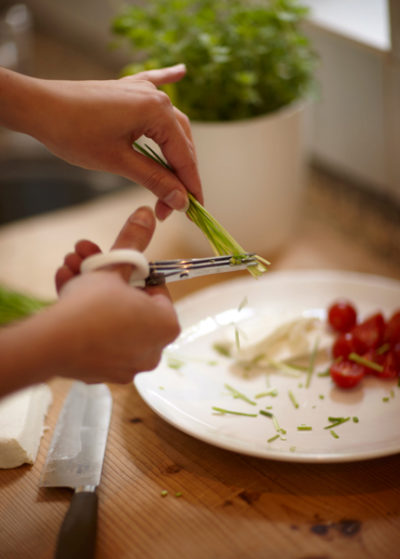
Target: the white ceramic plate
pixel 184 396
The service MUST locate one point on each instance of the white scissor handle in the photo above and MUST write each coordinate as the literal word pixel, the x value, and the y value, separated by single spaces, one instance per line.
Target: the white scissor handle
pixel 120 256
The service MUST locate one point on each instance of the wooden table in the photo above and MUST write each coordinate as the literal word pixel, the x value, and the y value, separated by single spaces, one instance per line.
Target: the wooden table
pixel 232 506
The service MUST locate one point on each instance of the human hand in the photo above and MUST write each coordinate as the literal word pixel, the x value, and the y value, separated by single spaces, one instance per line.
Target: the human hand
pixel 93 124
pixel 109 330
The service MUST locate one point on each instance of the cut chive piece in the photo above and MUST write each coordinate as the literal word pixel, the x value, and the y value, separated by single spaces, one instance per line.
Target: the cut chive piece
pixel 334 434
pixel 239 395
pixel 266 413
pixel 223 411
pixel 383 349
pixel 164 493
pixel 355 419
pixel 312 363
pixel 222 349
pixel 293 399
pixel 324 373
pixel 272 439
pixel 174 363
pixel 304 428
pixel 273 392
pixel 366 362
pixel 335 421
pixel 385 399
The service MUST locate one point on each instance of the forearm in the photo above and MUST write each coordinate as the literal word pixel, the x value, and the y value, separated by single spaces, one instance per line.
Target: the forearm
pixel 21 98
pixel 28 352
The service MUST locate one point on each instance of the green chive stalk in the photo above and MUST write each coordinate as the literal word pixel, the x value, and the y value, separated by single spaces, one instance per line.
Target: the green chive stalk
pixel 15 305
pixel 222 243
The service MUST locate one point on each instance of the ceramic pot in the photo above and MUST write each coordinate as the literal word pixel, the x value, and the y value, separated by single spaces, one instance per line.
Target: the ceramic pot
pixel 252 173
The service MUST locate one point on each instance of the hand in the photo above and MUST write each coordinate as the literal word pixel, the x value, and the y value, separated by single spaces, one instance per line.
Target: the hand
pixel 93 124
pixel 110 330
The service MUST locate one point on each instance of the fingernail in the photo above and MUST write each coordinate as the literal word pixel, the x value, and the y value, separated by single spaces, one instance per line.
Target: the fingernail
pixel 143 217
pixel 177 200
pixel 180 66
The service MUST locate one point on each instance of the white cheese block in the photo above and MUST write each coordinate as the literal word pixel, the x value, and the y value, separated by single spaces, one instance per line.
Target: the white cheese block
pixel 22 416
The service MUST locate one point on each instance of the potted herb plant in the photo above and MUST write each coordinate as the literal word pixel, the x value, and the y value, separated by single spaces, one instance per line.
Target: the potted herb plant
pixel 249 68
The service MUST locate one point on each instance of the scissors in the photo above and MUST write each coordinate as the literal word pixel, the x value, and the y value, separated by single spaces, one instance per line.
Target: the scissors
pixel 161 271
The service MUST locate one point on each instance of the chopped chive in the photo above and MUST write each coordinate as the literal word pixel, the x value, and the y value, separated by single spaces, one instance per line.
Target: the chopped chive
pixel 223 411
pixel 321 397
pixel 325 373
pixel 335 421
pixel 366 362
pixel 312 363
pixel 266 413
pixel 292 449
pixel 383 349
pixel 273 392
pixel 270 440
pixel 284 368
pixel 334 434
pixel 304 428
pixel 222 349
pixel 161 387
pixel 276 424
pixel 392 393
pixel 242 304
pixel 164 493
pixel 355 419
pixel 293 399
pixel 237 338
pixel 385 399
pixel 178 494
pixel 239 395
pixel 174 363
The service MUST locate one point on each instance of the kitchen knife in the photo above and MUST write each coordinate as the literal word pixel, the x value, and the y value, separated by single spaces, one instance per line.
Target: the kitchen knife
pixel 75 460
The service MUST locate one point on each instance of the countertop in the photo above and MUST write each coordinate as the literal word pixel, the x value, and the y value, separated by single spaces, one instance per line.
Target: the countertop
pixel 232 506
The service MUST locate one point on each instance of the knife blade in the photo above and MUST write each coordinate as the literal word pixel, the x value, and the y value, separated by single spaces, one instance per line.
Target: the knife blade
pixel 75 460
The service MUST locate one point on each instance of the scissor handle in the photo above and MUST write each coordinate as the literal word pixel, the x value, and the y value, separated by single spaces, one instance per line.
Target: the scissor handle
pixel 120 256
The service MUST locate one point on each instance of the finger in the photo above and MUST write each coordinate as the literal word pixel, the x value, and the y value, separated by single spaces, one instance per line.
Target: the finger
pixel 162 210
pixel 160 181
pixel 73 262
pixel 177 149
pixel 135 234
pixel 63 275
pixel 162 76
pixel 86 248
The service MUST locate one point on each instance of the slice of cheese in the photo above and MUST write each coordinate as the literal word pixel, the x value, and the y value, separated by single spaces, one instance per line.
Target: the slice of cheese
pixel 22 416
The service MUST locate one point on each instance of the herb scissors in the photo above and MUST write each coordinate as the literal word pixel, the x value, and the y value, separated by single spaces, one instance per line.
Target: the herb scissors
pixel 161 271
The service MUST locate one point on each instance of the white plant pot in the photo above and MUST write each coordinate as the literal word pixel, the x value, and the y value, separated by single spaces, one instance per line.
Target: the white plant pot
pixel 252 173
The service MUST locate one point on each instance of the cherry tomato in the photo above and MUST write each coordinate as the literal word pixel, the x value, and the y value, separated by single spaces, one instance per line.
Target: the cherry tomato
pixel 374 357
pixel 343 345
pixel 369 333
pixel 396 355
pixel 346 374
pixel 390 369
pixel 392 330
pixel 342 316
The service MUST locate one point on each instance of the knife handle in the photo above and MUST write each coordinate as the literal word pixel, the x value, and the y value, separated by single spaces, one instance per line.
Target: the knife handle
pixel 77 536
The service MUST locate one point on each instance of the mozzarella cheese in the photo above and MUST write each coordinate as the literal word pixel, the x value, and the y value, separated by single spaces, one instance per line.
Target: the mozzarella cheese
pixel 22 416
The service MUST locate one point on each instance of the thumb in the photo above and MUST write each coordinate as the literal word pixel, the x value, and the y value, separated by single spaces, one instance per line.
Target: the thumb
pixel 161 76
pixel 135 234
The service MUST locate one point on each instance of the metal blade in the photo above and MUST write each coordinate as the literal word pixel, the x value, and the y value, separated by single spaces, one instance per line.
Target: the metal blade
pixel 76 453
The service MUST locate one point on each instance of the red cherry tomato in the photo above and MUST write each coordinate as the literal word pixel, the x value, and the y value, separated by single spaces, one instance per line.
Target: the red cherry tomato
pixel 396 355
pixel 392 330
pixel 343 345
pixel 342 316
pixel 346 374
pixel 390 369
pixel 369 333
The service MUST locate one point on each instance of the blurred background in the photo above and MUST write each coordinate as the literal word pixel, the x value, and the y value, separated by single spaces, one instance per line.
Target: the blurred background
pixel 353 125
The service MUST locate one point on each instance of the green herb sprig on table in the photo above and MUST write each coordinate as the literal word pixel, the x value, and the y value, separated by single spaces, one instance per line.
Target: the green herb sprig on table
pixel 220 240
pixel 15 305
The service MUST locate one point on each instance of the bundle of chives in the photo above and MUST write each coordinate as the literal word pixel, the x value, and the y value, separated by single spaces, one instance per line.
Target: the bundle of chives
pixel 220 240
pixel 15 305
